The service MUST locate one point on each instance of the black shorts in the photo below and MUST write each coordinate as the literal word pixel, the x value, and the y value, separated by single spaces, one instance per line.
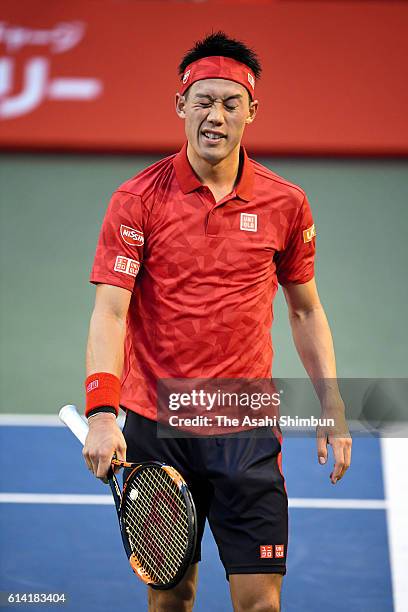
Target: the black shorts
pixel 236 484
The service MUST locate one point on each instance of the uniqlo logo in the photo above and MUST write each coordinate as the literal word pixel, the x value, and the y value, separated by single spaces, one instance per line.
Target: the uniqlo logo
pixel 133 267
pixel 279 551
pixel 309 233
pixel 126 265
pixel 249 223
pixel 266 551
pixel 121 264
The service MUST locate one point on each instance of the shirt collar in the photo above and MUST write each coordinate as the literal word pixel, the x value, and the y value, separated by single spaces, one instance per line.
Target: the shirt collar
pixel 189 182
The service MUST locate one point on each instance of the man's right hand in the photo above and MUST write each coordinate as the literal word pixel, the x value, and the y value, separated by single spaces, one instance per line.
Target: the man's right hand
pixel 103 441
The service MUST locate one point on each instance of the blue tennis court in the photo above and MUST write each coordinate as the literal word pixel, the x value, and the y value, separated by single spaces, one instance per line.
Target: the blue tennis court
pixel 60 534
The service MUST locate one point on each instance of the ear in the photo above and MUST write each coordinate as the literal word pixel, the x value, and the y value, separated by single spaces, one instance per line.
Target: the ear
pixel 180 106
pixel 253 109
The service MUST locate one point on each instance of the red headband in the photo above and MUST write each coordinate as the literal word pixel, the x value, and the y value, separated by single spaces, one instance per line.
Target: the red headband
pixel 218 67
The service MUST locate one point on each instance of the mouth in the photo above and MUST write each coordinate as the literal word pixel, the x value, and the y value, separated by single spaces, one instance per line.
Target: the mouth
pixel 212 136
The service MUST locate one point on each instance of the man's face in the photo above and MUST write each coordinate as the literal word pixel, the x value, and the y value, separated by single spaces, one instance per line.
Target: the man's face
pixel 216 112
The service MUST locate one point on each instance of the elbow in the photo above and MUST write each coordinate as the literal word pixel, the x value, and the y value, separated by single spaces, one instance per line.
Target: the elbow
pixel 108 316
pixel 299 315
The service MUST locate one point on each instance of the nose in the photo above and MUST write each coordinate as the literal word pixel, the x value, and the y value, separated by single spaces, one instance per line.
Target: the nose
pixel 215 115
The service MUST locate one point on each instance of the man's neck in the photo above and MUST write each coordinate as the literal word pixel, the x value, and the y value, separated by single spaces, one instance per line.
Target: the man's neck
pixel 221 177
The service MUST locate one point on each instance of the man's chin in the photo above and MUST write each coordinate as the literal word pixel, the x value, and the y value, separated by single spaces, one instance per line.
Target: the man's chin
pixel 213 156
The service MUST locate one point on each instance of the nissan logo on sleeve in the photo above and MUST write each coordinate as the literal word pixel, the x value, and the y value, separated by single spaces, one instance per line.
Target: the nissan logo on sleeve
pixel 131 236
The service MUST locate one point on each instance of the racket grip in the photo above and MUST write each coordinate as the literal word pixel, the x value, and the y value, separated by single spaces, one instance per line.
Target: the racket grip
pixel 70 416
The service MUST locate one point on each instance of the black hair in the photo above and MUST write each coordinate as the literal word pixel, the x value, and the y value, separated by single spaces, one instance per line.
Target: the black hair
pixel 218 43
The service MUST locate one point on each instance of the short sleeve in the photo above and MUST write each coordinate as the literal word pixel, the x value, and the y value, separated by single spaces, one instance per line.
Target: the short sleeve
pixel 119 252
pixel 295 263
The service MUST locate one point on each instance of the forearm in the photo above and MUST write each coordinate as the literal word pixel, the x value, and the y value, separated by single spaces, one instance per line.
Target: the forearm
pixel 104 354
pixel 105 347
pixel 313 341
pixel 314 344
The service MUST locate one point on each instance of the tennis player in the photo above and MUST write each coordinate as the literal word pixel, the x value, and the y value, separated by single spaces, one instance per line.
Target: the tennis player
pixel 188 262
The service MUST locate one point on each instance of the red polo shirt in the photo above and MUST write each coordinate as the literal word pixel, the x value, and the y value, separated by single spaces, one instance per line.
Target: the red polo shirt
pixel 203 275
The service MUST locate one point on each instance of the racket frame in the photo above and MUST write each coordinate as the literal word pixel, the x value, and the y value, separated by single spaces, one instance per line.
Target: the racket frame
pixel 119 498
pixel 70 417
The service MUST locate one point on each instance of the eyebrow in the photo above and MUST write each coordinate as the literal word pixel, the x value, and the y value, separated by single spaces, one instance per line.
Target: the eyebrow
pixel 233 97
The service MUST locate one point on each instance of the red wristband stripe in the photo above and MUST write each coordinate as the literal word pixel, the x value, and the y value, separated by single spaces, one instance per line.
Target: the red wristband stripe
pixel 102 389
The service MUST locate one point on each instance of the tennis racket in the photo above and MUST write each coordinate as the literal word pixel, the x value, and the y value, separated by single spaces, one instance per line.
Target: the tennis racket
pixel 156 513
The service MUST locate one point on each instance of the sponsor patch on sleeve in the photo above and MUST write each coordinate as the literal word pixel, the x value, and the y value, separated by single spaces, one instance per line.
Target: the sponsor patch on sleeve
pixel 126 265
pixel 309 233
pixel 131 236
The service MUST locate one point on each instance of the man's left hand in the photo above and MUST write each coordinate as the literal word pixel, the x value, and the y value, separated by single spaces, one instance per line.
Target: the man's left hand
pixel 339 438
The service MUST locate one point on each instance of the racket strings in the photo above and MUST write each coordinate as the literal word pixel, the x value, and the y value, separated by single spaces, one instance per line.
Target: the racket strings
pixel 154 563
pixel 153 540
pixel 158 542
pixel 163 539
pixel 166 519
pixel 157 523
pixel 175 498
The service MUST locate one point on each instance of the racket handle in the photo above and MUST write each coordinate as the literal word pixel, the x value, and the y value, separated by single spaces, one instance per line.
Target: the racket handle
pixel 70 416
